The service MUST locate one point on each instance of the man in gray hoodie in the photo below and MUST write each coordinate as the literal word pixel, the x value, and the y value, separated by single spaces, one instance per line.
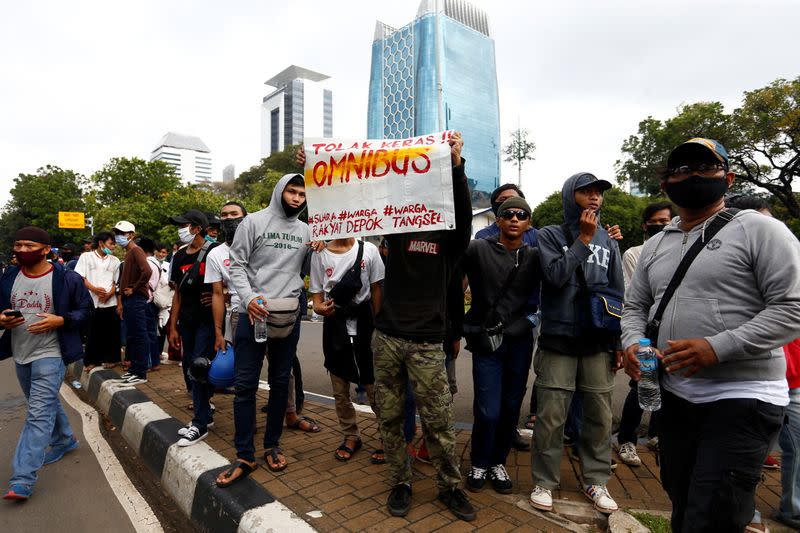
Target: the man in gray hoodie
pixel 723 389
pixel 576 258
pixel 267 255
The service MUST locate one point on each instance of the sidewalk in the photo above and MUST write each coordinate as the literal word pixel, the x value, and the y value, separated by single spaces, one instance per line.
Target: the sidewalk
pixel 350 496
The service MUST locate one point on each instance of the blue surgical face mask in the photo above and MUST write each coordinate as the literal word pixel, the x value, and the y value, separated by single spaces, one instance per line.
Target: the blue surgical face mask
pixel 211 239
pixel 121 240
pixel 106 250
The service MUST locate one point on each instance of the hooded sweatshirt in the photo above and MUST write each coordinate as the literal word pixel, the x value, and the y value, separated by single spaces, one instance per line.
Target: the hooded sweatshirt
pixel 741 293
pixel 562 298
pixel 269 251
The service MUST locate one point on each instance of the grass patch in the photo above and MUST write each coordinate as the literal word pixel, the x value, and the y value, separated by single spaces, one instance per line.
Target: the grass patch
pixel 656 524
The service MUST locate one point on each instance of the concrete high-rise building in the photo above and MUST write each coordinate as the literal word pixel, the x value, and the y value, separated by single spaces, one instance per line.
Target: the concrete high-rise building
pixel 300 106
pixel 437 73
pixel 228 174
pixel 189 156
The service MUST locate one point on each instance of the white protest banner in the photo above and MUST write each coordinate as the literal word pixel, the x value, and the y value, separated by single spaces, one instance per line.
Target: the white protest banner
pixel 377 187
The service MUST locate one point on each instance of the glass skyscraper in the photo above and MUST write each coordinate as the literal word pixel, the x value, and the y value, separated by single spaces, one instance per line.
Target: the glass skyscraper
pixel 438 73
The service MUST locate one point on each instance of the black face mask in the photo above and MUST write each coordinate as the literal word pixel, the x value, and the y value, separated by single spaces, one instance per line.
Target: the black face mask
pixel 289 210
pixel 654 229
pixel 229 226
pixel 696 192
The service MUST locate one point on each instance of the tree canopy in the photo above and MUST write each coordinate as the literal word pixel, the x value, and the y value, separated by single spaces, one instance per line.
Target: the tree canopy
pixel 762 138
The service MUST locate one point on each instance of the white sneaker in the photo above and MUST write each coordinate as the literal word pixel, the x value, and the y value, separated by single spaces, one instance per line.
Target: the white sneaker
pixel 542 498
pixel 603 501
pixel 124 376
pixel 627 452
pixel 192 436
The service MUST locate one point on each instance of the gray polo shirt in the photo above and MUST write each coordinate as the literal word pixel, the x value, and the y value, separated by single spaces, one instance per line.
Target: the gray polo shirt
pixel 32 295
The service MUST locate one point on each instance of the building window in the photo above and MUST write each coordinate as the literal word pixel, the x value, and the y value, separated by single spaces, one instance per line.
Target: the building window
pixel 274 130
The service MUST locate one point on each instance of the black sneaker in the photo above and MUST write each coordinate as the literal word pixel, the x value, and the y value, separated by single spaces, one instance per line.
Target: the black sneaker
pixel 500 481
pixel 399 502
pixel 476 479
pixel 456 500
pixel 192 436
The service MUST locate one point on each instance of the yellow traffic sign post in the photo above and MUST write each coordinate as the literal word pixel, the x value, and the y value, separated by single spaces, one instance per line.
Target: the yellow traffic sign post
pixel 71 220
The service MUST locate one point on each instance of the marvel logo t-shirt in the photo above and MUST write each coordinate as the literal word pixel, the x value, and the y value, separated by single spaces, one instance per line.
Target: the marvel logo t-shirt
pixel 31 296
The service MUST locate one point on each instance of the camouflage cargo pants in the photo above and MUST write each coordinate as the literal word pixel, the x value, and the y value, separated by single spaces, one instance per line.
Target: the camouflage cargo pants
pixel 397 360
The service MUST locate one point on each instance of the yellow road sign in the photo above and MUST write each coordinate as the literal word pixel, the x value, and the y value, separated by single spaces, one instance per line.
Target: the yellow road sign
pixel 71 220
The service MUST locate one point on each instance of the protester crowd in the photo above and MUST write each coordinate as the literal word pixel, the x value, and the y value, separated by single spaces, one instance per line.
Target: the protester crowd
pixel 715 288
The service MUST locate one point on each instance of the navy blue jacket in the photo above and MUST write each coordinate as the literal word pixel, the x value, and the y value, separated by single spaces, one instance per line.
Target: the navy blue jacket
pixel 70 300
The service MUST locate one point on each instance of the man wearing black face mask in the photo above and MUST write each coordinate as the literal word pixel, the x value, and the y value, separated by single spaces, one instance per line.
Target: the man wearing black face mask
pixel 218 274
pixel 655 218
pixel 720 338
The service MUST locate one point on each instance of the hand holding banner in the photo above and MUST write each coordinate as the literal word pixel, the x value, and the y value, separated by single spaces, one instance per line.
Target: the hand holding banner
pixel 378 187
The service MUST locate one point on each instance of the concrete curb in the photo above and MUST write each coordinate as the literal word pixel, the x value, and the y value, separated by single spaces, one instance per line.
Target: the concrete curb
pixel 187 474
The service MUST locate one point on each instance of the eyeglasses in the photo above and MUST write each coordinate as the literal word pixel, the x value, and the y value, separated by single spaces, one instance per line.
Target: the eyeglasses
pixel 694 169
pixel 508 214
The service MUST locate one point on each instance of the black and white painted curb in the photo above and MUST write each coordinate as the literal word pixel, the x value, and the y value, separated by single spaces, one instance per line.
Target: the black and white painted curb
pixel 187 473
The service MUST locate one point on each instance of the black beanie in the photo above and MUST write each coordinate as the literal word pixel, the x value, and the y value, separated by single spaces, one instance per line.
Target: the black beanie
pixel 32 233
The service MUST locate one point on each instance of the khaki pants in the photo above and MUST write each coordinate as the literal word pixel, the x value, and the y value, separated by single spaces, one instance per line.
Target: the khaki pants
pixel 558 376
pixel 344 406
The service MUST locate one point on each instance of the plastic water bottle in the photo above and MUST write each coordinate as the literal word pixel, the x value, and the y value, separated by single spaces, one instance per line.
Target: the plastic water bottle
pixel 649 391
pixel 260 326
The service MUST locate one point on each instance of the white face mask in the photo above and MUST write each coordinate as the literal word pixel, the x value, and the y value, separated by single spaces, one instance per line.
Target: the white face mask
pixel 185 235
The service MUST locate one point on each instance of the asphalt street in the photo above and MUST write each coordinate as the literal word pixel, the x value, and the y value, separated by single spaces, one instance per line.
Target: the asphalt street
pixel 72 495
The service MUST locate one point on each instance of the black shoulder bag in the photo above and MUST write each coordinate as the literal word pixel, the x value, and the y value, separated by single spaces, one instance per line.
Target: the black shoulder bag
pixel 722 218
pixel 603 306
pixel 487 337
pixel 347 288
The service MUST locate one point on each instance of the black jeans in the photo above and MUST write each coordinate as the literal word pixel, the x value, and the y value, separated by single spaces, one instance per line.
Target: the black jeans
pixel 711 457
pixel 632 417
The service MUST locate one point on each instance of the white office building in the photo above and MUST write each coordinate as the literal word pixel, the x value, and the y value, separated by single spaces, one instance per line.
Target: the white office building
pixel 300 106
pixel 189 156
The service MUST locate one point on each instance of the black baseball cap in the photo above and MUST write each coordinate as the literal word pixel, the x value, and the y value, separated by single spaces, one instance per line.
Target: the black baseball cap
pixel 193 217
pixel 213 220
pixel 586 179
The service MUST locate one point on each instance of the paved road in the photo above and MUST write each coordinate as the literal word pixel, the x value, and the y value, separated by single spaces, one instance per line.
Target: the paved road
pixel 71 496
pixel 316 379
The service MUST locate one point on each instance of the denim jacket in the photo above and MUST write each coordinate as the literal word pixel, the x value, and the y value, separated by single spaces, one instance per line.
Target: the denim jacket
pixel 71 301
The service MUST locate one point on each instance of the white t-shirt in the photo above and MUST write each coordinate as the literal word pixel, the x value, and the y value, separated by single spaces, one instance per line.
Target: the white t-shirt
pixel 218 268
pixel 101 272
pixel 699 390
pixel 327 268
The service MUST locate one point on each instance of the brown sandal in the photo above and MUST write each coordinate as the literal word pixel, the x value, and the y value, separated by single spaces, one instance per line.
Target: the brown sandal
pixel 312 426
pixel 228 477
pixel 275 455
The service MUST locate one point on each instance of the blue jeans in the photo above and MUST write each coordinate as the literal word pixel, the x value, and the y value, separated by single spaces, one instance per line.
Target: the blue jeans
pixel 789 439
pixel 500 380
pixel 248 360
pixel 46 422
pixel 137 348
pixel 154 349
pixel 198 341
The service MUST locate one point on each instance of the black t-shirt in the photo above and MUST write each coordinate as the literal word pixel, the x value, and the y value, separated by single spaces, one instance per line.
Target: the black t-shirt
pixel 192 311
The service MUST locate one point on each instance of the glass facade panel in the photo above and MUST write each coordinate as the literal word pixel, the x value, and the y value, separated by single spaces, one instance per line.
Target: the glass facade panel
pixel 405 99
pixel 274 129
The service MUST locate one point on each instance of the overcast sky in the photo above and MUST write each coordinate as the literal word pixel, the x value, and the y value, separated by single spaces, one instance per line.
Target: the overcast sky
pixel 85 81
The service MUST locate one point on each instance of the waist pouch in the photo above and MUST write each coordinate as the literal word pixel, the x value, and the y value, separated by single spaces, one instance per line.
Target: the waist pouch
pixel 481 340
pixel 282 316
pixel 605 312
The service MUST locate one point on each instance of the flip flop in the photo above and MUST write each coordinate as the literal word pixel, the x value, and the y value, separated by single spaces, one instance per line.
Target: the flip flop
pixel 374 459
pixel 313 423
pixel 245 469
pixel 345 448
pixel 273 453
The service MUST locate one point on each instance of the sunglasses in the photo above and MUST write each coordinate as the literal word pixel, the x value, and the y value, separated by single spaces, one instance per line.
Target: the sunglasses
pixel 508 214
pixel 695 169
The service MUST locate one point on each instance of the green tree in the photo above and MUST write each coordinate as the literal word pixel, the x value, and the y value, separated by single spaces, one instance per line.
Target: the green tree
pixel 762 137
pixel 124 177
pixel 278 162
pixel 36 200
pixel 519 150
pixel 619 207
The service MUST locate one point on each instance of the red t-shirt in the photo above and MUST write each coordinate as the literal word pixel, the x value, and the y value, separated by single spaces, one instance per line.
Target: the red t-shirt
pixel 792 351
